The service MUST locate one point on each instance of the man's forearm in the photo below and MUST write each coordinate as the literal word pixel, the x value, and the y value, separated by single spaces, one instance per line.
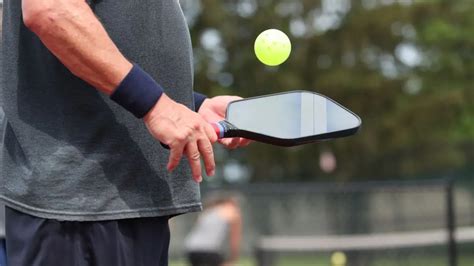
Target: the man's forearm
pixel 70 30
pixel 235 238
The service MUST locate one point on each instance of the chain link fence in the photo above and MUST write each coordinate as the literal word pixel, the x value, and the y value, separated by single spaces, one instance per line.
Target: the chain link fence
pixel 318 210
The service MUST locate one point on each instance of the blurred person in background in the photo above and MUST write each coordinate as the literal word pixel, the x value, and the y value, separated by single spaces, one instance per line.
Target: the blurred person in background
pixel 216 236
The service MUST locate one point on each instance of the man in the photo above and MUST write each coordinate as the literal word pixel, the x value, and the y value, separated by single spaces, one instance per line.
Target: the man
pixel 85 178
pixel 215 238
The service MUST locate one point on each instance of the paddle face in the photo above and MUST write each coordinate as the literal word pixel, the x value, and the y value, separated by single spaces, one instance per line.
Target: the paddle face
pixel 288 119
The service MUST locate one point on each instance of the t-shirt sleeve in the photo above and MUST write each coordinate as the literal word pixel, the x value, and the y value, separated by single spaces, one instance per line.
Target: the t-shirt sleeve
pixel 198 100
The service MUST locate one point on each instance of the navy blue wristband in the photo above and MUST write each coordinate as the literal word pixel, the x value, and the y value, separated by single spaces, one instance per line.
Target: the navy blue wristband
pixel 198 100
pixel 138 92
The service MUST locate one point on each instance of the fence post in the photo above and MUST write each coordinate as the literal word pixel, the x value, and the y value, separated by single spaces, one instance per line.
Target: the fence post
pixel 263 257
pixel 451 223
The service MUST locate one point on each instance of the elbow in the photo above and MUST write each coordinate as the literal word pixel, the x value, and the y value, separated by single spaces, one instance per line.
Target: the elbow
pixel 36 18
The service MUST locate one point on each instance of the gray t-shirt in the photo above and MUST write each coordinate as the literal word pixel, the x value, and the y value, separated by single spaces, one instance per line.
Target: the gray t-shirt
pixel 70 153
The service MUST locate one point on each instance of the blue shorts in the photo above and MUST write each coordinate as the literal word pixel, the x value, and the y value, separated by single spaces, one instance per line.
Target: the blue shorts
pixel 33 241
pixel 3 256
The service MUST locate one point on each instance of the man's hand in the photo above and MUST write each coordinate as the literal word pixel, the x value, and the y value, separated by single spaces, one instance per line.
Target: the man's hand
pixel 213 110
pixel 185 132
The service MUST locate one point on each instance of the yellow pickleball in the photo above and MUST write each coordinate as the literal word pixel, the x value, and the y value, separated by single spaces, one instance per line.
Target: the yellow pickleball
pixel 338 259
pixel 272 47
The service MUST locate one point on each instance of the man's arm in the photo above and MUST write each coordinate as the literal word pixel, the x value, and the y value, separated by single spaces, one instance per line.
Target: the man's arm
pixel 70 30
pixel 235 236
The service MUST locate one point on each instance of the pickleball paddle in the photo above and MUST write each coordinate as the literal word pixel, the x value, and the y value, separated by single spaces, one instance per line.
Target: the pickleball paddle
pixel 288 119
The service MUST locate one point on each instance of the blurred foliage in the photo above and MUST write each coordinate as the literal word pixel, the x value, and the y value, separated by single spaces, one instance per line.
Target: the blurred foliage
pixel 406 67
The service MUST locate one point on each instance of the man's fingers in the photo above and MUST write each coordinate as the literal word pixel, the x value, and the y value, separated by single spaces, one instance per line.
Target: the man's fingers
pixel 244 142
pixel 225 142
pixel 205 148
pixel 194 158
pixel 230 143
pixel 176 152
pixel 233 143
pixel 210 132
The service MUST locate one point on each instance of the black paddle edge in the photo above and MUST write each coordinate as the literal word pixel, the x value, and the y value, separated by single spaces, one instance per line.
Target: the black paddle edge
pixel 290 142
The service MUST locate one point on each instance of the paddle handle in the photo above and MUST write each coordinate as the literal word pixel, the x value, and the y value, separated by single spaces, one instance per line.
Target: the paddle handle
pixel 218 129
pixel 224 129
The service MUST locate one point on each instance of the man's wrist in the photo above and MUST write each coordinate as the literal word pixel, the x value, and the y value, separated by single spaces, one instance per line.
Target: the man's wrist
pixel 138 92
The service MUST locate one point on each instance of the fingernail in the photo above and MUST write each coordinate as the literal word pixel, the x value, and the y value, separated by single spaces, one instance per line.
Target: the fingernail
pixel 199 179
pixel 212 173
